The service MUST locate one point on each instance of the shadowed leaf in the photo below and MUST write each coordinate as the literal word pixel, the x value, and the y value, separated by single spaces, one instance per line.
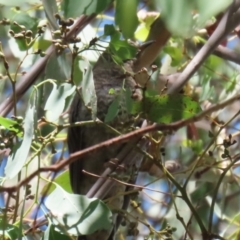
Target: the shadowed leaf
pixel 76 213
pixel 20 151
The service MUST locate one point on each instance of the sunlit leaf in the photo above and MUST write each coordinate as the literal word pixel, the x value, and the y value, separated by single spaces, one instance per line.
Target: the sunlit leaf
pixel 11 125
pixel 77 72
pixel 175 53
pixel 143 29
pixel 42 44
pixel 88 90
pixel 56 101
pixel 62 180
pixel 195 145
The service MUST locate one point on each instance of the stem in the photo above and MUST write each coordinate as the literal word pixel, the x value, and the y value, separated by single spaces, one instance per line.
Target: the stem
pixel 236 158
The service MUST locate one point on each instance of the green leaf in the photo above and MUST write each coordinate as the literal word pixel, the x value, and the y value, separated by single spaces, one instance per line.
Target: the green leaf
pixel 15 3
pixel 230 85
pixel 50 8
pixel 20 151
pixel 126 17
pixel 11 125
pixel 52 234
pixel 56 101
pixel 175 53
pixel 143 29
pixel 10 231
pixel 207 9
pixel 166 108
pixel 208 91
pixel 30 23
pixel 195 145
pixel 76 213
pixel 202 191
pixel 42 44
pixel 179 18
pixel 73 8
pixel 177 15
pixel 122 49
pixel 109 30
pixel 62 180
pixel 61 63
pixel 88 90
pixel 77 72
pixel 112 110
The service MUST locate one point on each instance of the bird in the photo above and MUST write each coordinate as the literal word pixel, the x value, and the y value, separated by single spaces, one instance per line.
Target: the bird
pixel 107 74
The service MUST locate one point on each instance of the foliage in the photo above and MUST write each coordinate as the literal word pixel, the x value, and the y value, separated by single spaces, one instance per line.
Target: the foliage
pixel 187 186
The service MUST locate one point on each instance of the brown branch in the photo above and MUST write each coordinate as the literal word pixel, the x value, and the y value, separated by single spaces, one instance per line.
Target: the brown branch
pixel 227 54
pixel 121 139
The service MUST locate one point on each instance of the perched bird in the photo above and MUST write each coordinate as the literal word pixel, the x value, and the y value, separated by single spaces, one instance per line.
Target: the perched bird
pixel 107 75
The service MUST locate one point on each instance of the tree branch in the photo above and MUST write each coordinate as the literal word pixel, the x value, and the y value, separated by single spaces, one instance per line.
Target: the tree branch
pixel 229 21
pixel 120 139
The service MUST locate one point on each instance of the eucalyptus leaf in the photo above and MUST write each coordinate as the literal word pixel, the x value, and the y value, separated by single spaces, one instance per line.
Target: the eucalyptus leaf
pixel 178 14
pixel 51 234
pixel 62 180
pixel 20 151
pixel 202 191
pixel 88 91
pixel 175 53
pixel 86 7
pixel 11 125
pixel 56 101
pixel 122 49
pixel 15 3
pixel 77 214
pixel 77 72
pixel 166 108
pixel 61 63
pixel 143 29
pixel 207 9
pixel 129 22
pixel 10 231
pixel 109 30
pixel 50 8
pixel 112 110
